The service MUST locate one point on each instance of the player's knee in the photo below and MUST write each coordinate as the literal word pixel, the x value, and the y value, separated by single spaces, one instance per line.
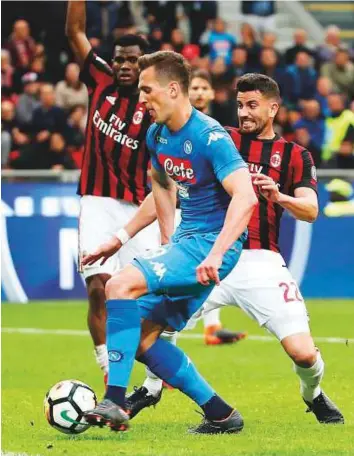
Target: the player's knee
pixel 119 287
pixel 305 357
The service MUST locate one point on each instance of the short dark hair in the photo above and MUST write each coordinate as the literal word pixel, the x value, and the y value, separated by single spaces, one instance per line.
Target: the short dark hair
pixel 168 64
pixel 202 74
pixel 132 40
pixel 250 82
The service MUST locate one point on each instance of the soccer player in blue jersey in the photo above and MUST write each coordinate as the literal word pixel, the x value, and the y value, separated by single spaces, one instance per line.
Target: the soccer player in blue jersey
pixel 165 287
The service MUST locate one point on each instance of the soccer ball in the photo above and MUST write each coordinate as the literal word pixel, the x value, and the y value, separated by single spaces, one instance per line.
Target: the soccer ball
pixel 66 402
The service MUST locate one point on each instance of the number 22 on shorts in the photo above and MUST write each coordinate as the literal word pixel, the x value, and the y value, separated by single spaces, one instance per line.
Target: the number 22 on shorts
pixel 291 292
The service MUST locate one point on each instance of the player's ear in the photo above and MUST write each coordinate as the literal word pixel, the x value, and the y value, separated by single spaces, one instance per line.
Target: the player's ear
pixel 273 109
pixel 174 89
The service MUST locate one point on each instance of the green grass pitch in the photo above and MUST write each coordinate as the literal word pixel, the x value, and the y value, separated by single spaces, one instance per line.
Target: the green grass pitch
pixel 255 375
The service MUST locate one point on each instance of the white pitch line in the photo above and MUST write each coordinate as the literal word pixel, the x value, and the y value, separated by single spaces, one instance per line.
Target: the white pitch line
pixel 15 454
pixel 184 335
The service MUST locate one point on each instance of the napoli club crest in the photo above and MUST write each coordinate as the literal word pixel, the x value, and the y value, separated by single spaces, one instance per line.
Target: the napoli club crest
pixel 187 147
pixel 138 117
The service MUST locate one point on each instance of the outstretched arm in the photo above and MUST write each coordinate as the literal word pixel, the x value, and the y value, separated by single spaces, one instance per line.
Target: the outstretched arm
pixel 75 29
pixel 145 215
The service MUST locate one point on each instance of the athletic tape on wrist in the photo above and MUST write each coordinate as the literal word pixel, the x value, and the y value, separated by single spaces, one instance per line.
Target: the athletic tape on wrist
pixel 123 236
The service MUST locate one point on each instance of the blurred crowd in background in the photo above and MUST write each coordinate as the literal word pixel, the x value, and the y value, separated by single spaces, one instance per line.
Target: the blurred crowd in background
pixel 44 104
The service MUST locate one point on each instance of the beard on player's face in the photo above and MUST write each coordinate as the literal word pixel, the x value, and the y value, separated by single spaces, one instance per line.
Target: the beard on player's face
pixel 252 125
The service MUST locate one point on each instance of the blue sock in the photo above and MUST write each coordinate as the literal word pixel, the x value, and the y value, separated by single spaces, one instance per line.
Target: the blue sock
pixel 170 364
pixel 123 335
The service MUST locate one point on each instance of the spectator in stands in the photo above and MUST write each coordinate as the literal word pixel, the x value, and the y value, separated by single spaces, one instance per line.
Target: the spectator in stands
pixel 17 138
pixel 248 39
pixel 310 130
pixel 155 38
pixel 282 125
pixel 270 65
pixel 104 21
pixel 339 125
pixel 299 80
pixel 177 40
pixel 7 73
pixel 260 14
pixel 21 46
pixel 340 72
pixel 58 156
pixel 47 118
pixel 268 40
pixel 344 157
pixel 221 74
pixel 323 89
pixel 7 125
pixel 71 91
pixel 38 66
pixel 220 42
pixel 199 14
pixel 28 100
pixel 223 107
pixel 163 14
pixel 239 62
pixel 327 50
pixel 75 131
pixel 300 39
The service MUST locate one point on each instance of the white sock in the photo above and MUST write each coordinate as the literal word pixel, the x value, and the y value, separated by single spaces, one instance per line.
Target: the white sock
pixel 310 378
pixel 212 318
pixel 101 355
pixel 152 383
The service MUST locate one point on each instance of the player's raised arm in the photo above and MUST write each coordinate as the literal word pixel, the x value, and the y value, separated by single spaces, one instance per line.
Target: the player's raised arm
pixel 75 29
pixel 164 191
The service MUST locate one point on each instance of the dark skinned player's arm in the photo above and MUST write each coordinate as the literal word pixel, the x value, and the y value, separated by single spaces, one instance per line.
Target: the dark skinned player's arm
pixel 75 30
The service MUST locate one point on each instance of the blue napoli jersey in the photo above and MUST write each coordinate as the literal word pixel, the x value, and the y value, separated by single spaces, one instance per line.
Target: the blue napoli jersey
pixel 198 158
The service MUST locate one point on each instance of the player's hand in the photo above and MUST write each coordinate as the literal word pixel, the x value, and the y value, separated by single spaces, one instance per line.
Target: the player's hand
pixel 105 251
pixel 267 187
pixel 208 269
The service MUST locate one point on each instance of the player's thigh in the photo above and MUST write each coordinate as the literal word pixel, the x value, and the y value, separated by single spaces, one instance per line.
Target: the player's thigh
pixel 272 297
pixel 127 283
pixel 262 286
pixel 96 226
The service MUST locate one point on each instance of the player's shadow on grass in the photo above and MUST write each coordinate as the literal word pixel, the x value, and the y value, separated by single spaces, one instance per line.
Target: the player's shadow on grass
pixel 138 431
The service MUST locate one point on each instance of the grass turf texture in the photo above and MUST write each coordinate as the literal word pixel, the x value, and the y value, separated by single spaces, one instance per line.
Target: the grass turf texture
pixel 256 376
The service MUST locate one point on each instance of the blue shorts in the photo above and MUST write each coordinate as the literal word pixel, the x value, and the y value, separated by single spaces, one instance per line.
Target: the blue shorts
pixel 174 294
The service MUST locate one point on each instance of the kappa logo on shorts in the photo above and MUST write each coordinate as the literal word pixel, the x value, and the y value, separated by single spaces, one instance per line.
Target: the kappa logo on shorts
pixel 159 269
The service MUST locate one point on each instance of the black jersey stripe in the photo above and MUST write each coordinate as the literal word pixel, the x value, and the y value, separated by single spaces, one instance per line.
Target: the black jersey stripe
pixel 263 203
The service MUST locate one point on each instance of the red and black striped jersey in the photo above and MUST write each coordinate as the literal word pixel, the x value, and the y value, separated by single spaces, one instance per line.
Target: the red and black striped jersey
pixel 115 160
pixel 289 165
